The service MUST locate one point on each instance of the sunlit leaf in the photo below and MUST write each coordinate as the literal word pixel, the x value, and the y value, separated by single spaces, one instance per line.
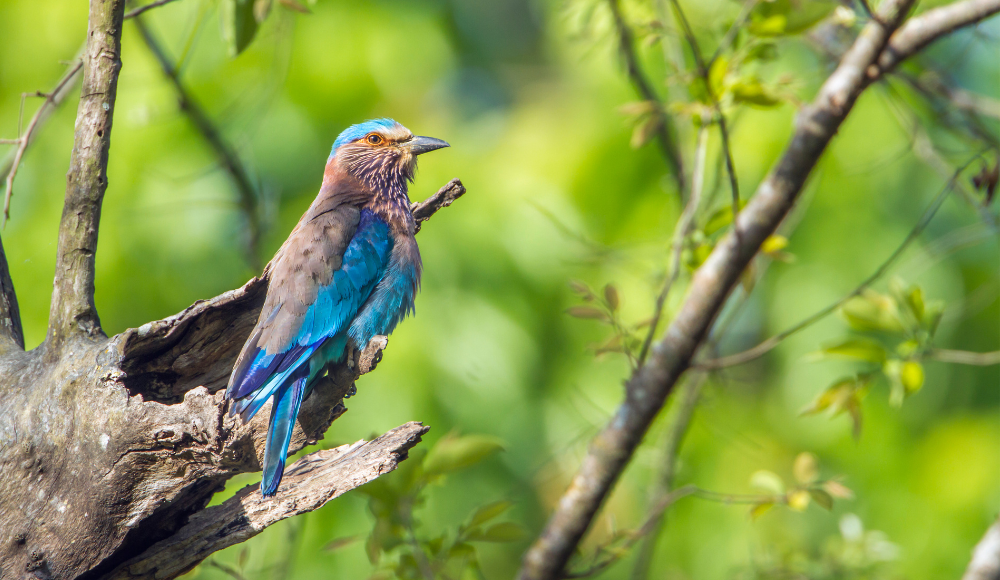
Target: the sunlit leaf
pixel 773 25
pixel 822 498
pixel 767 481
pixel 717 75
pixel 759 509
pixel 833 397
pixel 911 374
pixel 773 244
pixel 856 348
pixel 452 453
pixel 872 312
pixel 752 92
pixel 805 468
pixel 261 9
pixel 798 500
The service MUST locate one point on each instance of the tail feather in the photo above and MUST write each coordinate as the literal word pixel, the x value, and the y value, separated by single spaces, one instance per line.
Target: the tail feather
pixel 284 410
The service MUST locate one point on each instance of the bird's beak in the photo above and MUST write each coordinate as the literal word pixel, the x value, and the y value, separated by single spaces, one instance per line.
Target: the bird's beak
pixel 419 145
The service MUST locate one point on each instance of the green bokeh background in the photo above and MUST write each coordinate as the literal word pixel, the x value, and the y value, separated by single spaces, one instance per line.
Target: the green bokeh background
pixel 529 100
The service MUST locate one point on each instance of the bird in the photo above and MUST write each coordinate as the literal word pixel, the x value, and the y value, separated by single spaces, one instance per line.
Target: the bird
pixel 349 271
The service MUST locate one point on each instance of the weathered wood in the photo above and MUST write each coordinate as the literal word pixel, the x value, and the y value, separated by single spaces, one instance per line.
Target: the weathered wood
pixel 72 311
pixel 308 485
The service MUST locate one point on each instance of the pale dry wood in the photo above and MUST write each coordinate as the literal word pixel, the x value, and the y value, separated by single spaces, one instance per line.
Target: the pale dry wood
pixel 308 485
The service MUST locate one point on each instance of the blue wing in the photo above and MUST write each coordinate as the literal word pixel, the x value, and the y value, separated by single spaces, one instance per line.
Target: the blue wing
pixel 263 368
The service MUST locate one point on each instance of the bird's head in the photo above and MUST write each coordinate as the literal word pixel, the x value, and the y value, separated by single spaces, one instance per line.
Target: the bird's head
pixel 381 152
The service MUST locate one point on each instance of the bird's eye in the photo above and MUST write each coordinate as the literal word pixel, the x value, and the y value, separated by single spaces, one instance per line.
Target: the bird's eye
pixel 374 139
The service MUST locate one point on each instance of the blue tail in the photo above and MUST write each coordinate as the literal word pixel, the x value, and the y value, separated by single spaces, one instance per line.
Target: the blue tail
pixel 284 410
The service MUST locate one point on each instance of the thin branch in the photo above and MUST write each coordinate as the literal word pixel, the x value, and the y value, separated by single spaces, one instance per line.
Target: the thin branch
pixel 73 310
pixel 769 344
pixel 681 231
pixel 964 357
pixel 307 485
pixel 150 6
pixel 922 30
pixel 703 70
pixel 227 156
pixel 730 36
pixel 648 388
pixel 665 129
pixel 52 100
pixel 985 563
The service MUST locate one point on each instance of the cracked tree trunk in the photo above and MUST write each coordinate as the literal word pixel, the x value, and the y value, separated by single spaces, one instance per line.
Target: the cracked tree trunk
pixel 111 448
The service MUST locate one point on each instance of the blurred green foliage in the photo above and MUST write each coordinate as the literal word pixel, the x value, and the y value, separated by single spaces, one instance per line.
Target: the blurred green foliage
pixel 532 97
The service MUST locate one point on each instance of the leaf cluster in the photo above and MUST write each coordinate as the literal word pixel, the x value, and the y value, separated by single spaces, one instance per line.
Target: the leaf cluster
pixel 396 546
pixel 891 336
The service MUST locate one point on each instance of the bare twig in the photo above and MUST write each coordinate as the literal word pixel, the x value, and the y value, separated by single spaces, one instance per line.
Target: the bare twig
pixel 73 310
pixel 769 344
pixel 227 156
pixel 52 100
pixel 444 197
pixel 648 388
pixel 665 130
pixel 964 357
pixel 137 11
pixel 308 484
pixel 681 231
pixel 985 563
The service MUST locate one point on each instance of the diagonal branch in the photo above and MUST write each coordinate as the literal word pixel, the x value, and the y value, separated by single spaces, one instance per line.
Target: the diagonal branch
pixel 647 390
pixel 52 100
pixel 73 311
pixel 227 156
pixel 444 197
pixel 308 485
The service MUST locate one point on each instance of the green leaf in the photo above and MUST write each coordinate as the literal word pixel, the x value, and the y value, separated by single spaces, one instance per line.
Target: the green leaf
pixel 461 550
pixel 502 532
pixel 872 312
pixel 717 75
pixel 856 348
pixel 453 453
pixel 239 24
pixel 587 312
pixel 933 311
pixel 773 25
pixel 767 481
pixel 753 92
pixel 488 512
pixel 822 498
pixel 833 397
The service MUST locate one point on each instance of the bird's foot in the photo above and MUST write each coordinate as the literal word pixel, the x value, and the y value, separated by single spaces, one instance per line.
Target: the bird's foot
pixel 351 392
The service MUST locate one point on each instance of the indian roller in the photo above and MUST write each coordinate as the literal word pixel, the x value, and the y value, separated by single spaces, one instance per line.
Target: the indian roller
pixel 348 272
